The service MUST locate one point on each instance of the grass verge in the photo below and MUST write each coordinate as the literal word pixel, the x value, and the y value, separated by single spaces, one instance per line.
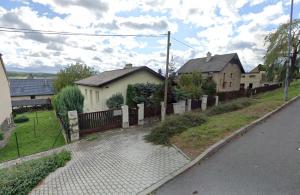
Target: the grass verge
pixel 22 178
pixel 195 140
pixel 46 131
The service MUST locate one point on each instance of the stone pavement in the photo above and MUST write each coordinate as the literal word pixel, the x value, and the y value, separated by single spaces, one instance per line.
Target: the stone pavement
pixel 118 163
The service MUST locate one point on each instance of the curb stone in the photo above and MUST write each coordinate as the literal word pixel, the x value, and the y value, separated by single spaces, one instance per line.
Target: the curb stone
pixel 214 148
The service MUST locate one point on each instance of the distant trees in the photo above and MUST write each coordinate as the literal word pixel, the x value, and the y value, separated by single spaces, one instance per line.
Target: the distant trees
pixel 277 51
pixel 68 75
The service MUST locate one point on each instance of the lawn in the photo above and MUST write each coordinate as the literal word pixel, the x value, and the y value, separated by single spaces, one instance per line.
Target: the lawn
pixel 195 140
pixel 47 129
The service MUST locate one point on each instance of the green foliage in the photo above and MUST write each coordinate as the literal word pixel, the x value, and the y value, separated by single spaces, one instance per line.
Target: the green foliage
pixel 173 125
pixel 277 49
pixel 191 84
pixel 22 178
pixel 209 86
pixel 180 94
pixel 21 119
pixel 230 106
pixel 115 101
pixel 72 73
pixel 68 99
pixel 47 129
pixel 142 93
pixel 1 135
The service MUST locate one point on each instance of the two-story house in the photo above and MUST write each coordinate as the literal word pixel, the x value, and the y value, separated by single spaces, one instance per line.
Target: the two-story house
pixel 225 70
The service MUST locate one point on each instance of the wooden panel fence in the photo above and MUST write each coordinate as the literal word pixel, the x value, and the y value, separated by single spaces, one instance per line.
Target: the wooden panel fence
pixel 99 121
pixel 196 104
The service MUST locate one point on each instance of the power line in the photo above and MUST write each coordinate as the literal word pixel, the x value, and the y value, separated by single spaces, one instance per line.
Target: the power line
pixel 183 43
pixel 24 30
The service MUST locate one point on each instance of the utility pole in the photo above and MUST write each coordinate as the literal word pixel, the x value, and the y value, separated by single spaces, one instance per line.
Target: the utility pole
pixel 288 65
pixel 167 72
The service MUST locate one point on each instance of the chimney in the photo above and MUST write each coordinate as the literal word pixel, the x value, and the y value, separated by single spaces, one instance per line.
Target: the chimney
pixel 128 66
pixel 208 56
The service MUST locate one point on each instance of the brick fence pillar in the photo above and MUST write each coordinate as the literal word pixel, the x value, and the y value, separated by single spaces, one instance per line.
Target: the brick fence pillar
pixel 216 100
pixel 73 125
pixel 125 116
pixel 163 111
pixel 204 103
pixel 141 114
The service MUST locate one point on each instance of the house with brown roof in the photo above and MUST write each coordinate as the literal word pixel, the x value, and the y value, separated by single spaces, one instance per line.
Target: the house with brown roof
pixel 5 101
pixel 98 88
pixel 225 70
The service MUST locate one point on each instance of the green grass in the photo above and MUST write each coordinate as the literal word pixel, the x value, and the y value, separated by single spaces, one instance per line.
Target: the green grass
pixel 47 129
pixel 22 178
pixel 195 140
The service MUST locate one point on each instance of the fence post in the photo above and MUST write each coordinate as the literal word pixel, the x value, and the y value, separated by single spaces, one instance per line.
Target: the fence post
pixel 73 123
pixel 17 142
pixel 163 111
pixel 216 100
pixel 141 114
pixel 204 103
pixel 189 105
pixel 125 116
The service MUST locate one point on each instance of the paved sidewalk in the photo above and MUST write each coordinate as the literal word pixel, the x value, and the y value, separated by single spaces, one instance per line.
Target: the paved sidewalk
pixel 266 160
pixel 119 163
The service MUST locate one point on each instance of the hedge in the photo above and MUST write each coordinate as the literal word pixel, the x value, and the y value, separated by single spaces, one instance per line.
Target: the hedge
pixel 21 119
pixel 173 125
pixel 22 178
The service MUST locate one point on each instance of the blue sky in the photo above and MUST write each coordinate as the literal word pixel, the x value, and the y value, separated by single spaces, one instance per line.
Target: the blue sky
pixel 218 26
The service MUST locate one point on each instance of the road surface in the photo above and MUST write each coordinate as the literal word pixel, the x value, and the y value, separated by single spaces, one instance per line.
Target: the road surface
pixel 266 160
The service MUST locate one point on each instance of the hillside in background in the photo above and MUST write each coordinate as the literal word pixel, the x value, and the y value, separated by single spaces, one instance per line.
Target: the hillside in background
pixel 24 75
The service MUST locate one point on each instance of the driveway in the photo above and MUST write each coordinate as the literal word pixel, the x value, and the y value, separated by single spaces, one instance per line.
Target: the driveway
pixel 117 163
pixel 266 160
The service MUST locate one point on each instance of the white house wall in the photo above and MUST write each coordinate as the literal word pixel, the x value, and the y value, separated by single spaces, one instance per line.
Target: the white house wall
pixel 91 104
pixel 5 101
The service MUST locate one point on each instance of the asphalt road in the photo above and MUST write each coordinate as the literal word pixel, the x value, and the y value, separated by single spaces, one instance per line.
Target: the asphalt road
pixel 264 161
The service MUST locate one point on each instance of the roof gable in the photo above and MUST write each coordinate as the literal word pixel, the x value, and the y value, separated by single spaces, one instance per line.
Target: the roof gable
pixel 113 75
pixel 216 64
pixel 27 87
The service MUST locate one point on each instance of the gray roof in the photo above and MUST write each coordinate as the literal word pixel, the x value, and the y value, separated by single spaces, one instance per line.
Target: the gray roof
pixel 216 64
pixel 27 87
pixel 110 76
pixel 33 102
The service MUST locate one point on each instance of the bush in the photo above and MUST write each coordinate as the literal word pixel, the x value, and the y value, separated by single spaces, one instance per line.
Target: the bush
pixel 70 98
pixel 209 87
pixel 115 101
pixel 21 119
pixel 173 125
pixel 142 93
pixel 1 136
pixel 230 106
pixel 22 178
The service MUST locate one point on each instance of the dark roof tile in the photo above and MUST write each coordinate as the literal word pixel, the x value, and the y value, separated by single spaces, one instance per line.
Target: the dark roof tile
pixel 27 87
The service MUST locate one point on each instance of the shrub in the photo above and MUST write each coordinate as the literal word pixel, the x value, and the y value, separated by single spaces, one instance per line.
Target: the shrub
pixel 209 86
pixel 142 93
pixel 1 136
pixel 230 106
pixel 173 125
pixel 70 98
pixel 191 84
pixel 115 101
pixel 22 178
pixel 21 119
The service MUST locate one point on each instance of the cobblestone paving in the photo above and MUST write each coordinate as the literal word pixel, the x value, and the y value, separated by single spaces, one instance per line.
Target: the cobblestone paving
pixel 119 163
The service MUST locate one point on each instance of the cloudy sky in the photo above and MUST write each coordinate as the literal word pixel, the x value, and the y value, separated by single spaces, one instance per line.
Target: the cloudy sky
pixel 218 26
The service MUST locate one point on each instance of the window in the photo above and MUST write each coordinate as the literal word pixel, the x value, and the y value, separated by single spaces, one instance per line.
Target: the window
pixel 252 76
pixel 97 97
pixel 231 74
pixel 230 84
pixel 91 96
pixel 243 76
pixel 224 84
pixel 32 97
